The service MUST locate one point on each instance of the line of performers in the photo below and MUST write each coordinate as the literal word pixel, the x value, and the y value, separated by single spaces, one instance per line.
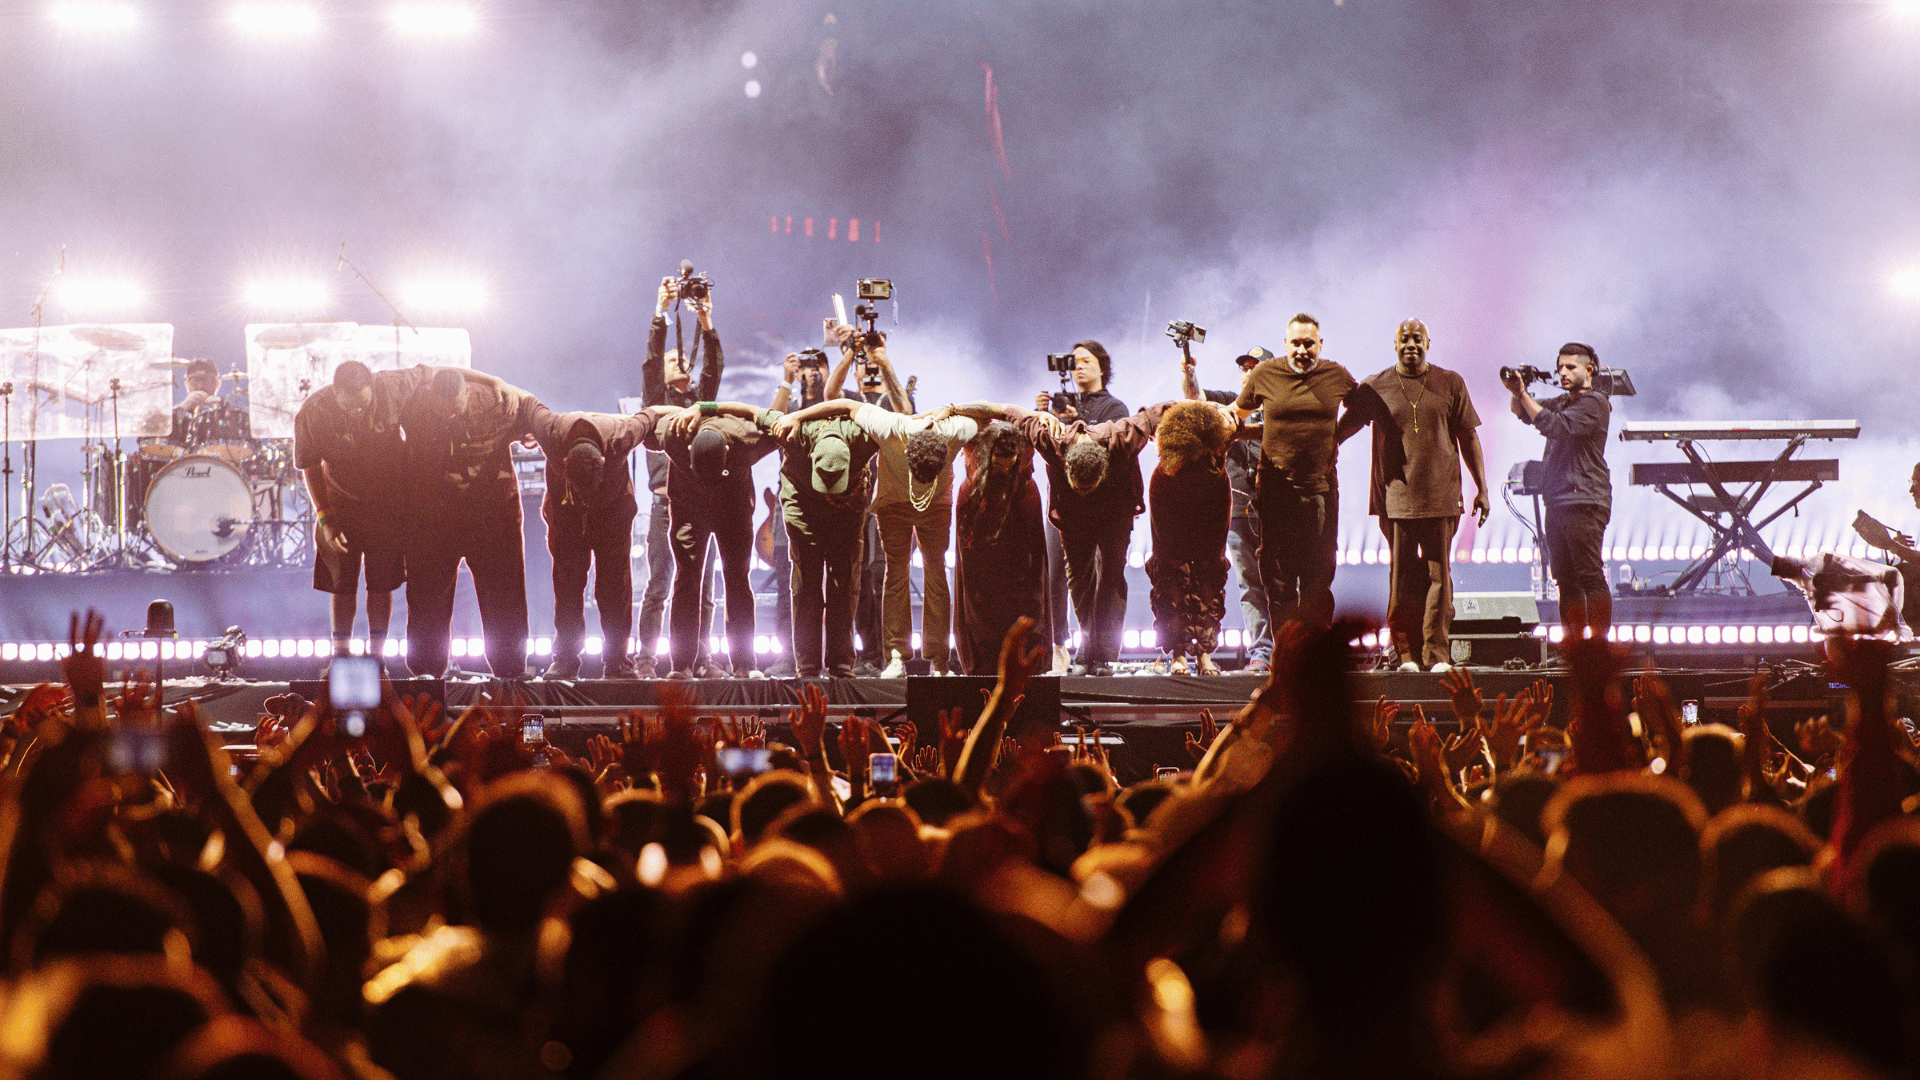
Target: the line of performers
pixel 411 474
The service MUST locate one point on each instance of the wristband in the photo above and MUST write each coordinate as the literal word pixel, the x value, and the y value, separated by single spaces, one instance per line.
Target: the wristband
pixel 709 408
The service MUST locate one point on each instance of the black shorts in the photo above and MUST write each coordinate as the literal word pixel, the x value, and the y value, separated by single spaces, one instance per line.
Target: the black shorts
pixel 1573 536
pixel 372 540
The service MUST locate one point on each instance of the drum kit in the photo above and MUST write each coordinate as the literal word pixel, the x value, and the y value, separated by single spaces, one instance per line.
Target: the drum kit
pixel 208 495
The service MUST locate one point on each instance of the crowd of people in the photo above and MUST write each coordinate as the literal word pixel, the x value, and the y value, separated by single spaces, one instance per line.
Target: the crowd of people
pixel 411 474
pixel 1324 890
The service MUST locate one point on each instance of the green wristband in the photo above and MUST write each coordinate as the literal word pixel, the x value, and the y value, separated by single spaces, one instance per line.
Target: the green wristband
pixel 709 408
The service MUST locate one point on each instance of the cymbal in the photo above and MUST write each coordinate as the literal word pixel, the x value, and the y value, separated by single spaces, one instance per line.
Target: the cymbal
pixel 106 337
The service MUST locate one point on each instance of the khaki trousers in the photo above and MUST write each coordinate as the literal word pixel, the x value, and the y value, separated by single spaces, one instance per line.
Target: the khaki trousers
pixel 900 529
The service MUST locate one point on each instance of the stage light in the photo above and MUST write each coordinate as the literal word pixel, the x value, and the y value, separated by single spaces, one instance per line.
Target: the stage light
pixel 82 295
pixel 276 18
pixel 287 295
pixel 748 60
pixel 434 19
pixel 93 16
pixel 753 88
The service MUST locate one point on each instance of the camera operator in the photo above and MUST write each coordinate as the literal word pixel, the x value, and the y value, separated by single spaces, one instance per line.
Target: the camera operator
pixel 1090 402
pixel 1243 527
pixel 1579 490
pixel 667 379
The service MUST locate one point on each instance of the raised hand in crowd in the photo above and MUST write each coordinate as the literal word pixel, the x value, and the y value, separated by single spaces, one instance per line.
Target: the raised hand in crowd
pixel 1209 731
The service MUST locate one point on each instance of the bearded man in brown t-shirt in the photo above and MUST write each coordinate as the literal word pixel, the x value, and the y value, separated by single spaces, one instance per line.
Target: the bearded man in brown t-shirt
pixel 1423 425
pixel 1298 501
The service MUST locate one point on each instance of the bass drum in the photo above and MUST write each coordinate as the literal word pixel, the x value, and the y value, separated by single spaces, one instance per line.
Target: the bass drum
pixel 199 508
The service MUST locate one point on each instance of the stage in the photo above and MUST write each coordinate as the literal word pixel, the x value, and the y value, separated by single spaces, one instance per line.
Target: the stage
pixel 1143 719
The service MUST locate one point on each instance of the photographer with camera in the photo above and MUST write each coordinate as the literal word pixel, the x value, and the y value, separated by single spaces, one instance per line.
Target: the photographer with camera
pixel 1089 369
pixel 1579 489
pixel 667 379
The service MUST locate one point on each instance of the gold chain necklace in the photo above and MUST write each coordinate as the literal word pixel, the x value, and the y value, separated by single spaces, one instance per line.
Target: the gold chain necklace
pixel 1413 403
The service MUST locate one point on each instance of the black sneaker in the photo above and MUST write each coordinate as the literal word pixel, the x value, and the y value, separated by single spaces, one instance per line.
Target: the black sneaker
pixel 563 667
pixel 620 667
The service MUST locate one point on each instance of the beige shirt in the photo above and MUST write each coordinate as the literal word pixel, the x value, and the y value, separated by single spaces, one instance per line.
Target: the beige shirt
pixel 891 430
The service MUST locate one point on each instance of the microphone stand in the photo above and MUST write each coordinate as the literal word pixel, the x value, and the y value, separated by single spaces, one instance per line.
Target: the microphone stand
pixel 399 320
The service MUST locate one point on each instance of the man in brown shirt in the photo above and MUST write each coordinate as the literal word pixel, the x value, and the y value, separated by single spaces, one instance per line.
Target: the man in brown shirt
pixel 1423 425
pixel 1094 493
pixel 1298 500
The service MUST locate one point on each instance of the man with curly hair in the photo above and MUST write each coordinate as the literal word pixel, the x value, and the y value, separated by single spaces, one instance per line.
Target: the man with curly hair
pixel 1001 570
pixel 1188 499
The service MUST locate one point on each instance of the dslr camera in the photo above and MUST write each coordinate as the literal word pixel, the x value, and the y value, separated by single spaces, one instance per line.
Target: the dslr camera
pixel 811 358
pixel 692 286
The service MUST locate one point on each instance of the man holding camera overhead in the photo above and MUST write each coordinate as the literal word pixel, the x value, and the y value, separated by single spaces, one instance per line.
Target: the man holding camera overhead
pixel 667 379
pixel 1423 425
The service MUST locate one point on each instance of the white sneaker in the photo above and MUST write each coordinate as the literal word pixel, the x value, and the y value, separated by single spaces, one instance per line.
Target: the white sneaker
pixel 1409 666
pixel 1442 668
pixel 895 670
pixel 1062 660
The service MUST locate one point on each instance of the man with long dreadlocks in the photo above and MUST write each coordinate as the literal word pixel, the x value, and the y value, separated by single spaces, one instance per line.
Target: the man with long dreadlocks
pixel 1001 570
pixel 1188 500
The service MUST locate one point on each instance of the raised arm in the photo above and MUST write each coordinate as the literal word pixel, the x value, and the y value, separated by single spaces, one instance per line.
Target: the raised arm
pixel 1017 666
pixel 653 370
pixel 715 361
pixel 841 334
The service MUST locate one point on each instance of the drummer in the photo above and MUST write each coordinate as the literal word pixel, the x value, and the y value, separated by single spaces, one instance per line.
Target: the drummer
pixel 203 401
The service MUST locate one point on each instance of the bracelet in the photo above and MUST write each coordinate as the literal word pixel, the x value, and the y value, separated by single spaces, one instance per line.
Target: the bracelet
pixel 709 408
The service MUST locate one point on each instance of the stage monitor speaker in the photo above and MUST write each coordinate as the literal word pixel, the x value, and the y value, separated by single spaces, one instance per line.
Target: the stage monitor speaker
pixel 434 689
pixel 1495 613
pixel 927 697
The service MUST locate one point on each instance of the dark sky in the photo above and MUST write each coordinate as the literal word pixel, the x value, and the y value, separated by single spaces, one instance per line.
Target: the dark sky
pixel 1714 194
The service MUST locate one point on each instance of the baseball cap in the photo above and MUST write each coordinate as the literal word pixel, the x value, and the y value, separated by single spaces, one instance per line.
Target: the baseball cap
pixel 1255 354
pixel 832 459
pixel 707 455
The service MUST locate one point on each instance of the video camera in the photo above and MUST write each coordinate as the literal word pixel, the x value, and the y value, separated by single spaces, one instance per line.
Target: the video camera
pixel 1613 382
pixel 1062 364
pixel 1184 333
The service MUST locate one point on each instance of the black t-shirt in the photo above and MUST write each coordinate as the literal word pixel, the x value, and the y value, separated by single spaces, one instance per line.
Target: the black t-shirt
pixel 365 460
pixel 1098 407
pixel 463 457
pixel 1575 464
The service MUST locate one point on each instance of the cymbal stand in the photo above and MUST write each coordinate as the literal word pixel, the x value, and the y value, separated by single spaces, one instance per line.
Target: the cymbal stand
pixel 30 448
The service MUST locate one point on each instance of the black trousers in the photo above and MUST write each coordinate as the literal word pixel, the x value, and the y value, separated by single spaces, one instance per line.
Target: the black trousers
pixel 869 615
pixel 1298 532
pixel 695 523
pixel 1097 581
pixel 1573 536
pixel 578 536
pixel 827 565
pixel 653 603
pixel 1420 599
pixel 488 540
